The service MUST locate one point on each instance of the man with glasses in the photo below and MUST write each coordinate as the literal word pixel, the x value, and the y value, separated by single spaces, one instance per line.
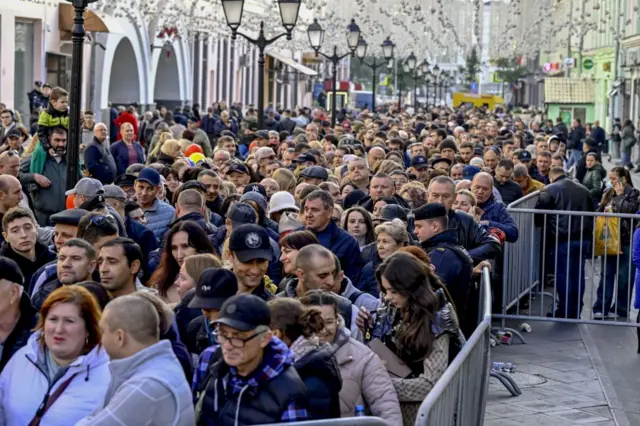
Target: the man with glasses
pixel 98 160
pixel 251 378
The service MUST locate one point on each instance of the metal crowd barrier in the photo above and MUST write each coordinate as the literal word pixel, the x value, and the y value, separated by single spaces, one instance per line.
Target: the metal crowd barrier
pixel 459 397
pixel 554 276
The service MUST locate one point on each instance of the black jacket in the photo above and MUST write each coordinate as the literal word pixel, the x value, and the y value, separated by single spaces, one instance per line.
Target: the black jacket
pixel 576 136
pixel 627 203
pixel 184 314
pixel 565 195
pixel 509 192
pixel 28 268
pixel 99 162
pixel 21 332
pixel 319 371
pixel 474 238
pixel 452 264
pixel 196 338
pixel 287 124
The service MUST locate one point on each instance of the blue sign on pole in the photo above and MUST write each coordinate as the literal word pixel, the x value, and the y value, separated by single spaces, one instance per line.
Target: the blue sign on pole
pixel 474 87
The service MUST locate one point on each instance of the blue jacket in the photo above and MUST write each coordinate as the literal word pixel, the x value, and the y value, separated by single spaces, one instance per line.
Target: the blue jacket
pixel 159 216
pixel 498 217
pixel 120 154
pixel 636 262
pixel 208 123
pixel 219 127
pixel 99 162
pixel 345 247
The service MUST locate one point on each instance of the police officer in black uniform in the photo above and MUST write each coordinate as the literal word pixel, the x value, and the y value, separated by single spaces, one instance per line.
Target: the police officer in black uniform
pixel 452 263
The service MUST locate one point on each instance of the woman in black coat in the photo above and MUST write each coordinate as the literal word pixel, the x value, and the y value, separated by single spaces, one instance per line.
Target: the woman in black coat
pixel 297 326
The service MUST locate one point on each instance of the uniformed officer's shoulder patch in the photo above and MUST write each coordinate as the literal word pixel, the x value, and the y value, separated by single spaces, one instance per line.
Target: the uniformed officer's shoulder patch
pixel 441 249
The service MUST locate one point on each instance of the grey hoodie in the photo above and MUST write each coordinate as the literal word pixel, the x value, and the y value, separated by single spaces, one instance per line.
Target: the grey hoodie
pixel 149 384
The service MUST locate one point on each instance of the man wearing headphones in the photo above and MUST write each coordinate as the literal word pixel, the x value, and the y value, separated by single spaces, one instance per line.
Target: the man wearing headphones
pixel 7 119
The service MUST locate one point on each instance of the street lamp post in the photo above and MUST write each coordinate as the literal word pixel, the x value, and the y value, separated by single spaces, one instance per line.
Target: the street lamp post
pixel 387 52
pixel 316 37
pixel 78 34
pixel 233 14
pixel 412 62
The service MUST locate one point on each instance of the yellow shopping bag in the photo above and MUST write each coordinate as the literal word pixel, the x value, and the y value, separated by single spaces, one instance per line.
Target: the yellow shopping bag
pixel 607 236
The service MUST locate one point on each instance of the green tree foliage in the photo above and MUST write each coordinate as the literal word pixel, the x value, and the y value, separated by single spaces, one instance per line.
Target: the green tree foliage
pixel 471 68
pixel 509 70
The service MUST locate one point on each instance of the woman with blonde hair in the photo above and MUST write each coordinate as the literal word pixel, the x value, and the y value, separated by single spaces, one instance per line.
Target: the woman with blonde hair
pixel 169 152
pixel 286 180
pixel 466 202
pixel 154 150
pixel 389 166
pixel 62 362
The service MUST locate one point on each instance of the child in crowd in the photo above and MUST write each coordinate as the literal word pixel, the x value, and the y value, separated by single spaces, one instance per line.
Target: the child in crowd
pixel 56 115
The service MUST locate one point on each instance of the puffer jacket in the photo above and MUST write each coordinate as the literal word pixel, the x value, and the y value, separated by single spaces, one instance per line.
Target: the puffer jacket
pixel 23 387
pixel 593 182
pixel 496 214
pixel 627 203
pixel 365 380
pixel 159 216
pixel 319 371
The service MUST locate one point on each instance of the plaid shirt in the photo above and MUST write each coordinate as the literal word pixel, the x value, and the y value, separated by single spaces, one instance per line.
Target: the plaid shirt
pixel 269 369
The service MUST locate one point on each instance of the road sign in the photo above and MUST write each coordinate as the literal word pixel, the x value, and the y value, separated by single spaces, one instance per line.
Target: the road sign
pixel 569 62
pixel 587 64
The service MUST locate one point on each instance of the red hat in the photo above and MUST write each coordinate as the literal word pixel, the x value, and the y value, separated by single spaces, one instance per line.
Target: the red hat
pixel 192 149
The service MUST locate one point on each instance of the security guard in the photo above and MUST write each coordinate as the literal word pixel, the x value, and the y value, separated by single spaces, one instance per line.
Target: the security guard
pixel 452 263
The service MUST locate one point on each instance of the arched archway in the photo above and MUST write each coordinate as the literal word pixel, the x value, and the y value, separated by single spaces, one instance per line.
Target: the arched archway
pixel 124 82
pixel 166 91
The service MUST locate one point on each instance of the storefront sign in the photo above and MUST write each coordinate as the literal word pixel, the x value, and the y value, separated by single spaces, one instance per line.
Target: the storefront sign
pixel 587 63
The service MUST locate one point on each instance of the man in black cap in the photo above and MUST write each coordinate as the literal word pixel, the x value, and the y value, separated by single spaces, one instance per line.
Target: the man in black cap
pixel 251 252
pixel 448 149
pixel 239 175
pixel 524 157
pixel 239 214
pixel 420 168
pixel 127 182
pixel 305 160
pixel 314 175
pixel 250 360
pixel 17 315
pixel 452 262
pixel 442 164
pixel 214 287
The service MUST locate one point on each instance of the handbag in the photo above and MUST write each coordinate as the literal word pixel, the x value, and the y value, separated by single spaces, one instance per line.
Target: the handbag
pixel 48 401
pixel 607 238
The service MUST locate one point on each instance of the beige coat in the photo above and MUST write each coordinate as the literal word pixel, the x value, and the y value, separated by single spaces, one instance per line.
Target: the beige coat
pixel 365 381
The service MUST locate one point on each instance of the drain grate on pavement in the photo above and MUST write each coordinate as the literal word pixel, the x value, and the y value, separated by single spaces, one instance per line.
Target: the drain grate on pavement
pixel 524 380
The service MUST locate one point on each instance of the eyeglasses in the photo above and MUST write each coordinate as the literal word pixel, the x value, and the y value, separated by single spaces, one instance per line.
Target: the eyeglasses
pixel 236 342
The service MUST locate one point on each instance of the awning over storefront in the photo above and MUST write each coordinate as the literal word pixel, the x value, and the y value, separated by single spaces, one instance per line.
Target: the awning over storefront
pixel 290 62
pixel 93 21
pixel 560 90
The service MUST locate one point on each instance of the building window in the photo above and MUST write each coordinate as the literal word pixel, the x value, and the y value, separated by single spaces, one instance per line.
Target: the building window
pixel 24 64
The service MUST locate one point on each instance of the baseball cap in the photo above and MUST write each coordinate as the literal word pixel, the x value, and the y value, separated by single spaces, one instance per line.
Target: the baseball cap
pixel 115 192
pixel 255 187
pixel 524 155
pixel 68 217
pixel 419 162
pixel 89 187
pixel 393 211
pixel 249 242
pixel 241 214
pixel 149 175
pixel 262 134
pixel 305 157
pixel 282 200
pixel 253 126
pixel 125 180
pixel 316 172
pixel 214 287
pixel 11 271
pixel 14 133
pixel 468 172
pixel 239 168
pixel 244 312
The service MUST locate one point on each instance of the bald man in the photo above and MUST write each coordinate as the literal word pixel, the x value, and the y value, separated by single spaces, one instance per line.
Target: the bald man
pixel 98 160
pixel 10 193
pixel 495 212
pixel 145 371
pixel 122 149
pixel 375 157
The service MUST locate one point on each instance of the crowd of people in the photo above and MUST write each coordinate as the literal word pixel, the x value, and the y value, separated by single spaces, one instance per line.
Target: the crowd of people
pixel 219 273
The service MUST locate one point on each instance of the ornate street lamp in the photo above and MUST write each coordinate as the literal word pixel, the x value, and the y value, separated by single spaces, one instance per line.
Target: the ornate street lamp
pixel 387 51
pixel 316 36
pixel 412 61
pixel 289 10
pixel 361 49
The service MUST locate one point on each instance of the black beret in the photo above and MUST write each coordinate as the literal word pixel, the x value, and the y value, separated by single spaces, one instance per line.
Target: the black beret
pixel 430 211
pixel 68 217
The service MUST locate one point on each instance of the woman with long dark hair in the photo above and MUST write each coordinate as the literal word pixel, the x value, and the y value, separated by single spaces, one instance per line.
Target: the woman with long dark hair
pixel 412 329
pixel 358 222
pixel 183 239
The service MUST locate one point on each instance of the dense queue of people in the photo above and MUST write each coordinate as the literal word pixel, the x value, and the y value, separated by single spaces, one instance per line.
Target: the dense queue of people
pixel 216 273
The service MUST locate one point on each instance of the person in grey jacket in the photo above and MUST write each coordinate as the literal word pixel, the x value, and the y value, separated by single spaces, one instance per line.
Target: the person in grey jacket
pixel 628 142
pixel 158 213
pixel 200 137
pixel 146 374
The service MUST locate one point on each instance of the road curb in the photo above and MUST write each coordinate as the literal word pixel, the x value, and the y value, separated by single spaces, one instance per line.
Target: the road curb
pixel 619 416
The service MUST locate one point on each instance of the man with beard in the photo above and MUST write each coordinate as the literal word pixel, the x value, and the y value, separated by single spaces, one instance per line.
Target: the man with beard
pixel 213 182
pixel 48 194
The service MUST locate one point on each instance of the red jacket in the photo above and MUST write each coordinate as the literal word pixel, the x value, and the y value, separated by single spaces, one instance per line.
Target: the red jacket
pixel 127 117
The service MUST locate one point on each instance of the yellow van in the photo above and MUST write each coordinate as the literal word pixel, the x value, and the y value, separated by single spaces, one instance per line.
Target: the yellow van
pixel 477 101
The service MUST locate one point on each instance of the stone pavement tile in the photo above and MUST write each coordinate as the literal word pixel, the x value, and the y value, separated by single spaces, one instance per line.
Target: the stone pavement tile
pixel 578 388
pixel 601 410
pixel 578 416
pixel 598 396
pixel 532 420
pixel 576 401
pixel 540 405
pixel 572 376
pixel 501 422
pixel 583 364
pixel 508 410
pixel 545 393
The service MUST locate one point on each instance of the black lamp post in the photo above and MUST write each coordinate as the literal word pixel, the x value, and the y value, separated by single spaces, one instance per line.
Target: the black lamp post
pixel 387 52
pixel 428 80
pixel 233 14
pixel 316 37
pixel 78 34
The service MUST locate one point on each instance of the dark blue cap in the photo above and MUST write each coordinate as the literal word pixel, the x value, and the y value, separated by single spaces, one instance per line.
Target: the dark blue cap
pixel 419 162
pixel 468 172
pixel 244 312
pixel 249 242
pixel 430 211
pixel 238 167
pixel 306 157
pixel 149 175
pixel 524 155
pixel 255 187
pixel 214 287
